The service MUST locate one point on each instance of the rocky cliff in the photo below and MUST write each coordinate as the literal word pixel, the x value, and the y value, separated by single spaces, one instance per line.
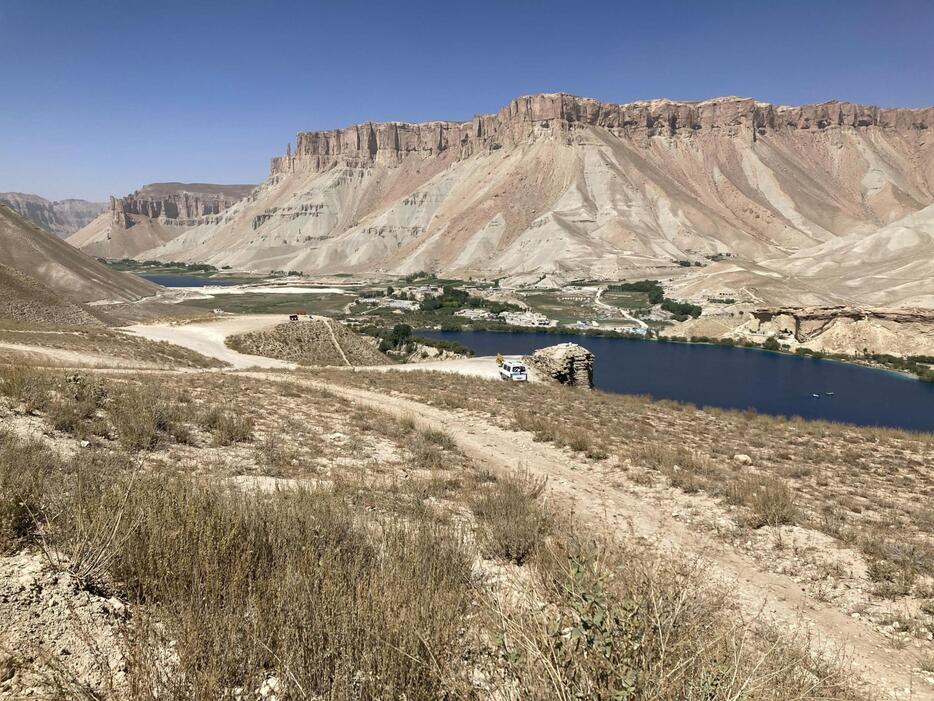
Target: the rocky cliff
pixel 181 203
pixel 61 217
pixel 569 187
pixel 561 114
pixel 153 216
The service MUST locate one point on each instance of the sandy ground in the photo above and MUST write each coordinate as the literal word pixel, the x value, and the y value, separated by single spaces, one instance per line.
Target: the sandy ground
pixel 39 355
pixel 207 338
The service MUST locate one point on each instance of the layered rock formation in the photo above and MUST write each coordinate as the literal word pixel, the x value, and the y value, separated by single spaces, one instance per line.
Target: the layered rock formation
pixel 565 363
pixel 571 187
pixel 840 329
pixel 181 203
pixel 524 117
pixel 61 217
pixel 153 216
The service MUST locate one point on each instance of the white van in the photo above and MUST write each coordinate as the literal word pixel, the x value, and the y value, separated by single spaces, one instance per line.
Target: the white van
pixel 513 370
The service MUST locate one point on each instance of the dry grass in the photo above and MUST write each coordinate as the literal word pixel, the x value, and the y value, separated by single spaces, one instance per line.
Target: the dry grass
pixel 362 582
pixel 512 523
pixel 103 342
pixel 865 486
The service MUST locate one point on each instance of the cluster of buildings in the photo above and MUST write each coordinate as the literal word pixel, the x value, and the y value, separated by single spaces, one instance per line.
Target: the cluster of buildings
pixel 523 318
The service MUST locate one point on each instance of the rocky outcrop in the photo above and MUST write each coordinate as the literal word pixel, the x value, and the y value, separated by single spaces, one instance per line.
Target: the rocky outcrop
pixel 181 203
pixel 806 323
pixel 154 216
pixel 565 363
pixel 61 217
pixel 561 113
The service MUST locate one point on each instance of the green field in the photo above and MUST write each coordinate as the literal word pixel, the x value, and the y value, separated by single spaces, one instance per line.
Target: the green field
pixel 566 311
pixel 626 300
pixel 265 303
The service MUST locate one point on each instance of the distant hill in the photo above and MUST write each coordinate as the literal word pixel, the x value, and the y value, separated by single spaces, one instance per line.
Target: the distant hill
pixel 154 215
pixel 60 217
pixel 41 272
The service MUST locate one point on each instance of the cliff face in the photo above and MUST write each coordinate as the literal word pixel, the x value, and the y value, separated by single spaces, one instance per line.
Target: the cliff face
pixel 153 216
pixel 570 187
pixel 182 203
pixel 562 113
pixel 61 217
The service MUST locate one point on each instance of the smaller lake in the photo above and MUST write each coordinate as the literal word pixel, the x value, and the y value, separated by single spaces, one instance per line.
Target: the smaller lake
pixel 734 378
pixel 188 281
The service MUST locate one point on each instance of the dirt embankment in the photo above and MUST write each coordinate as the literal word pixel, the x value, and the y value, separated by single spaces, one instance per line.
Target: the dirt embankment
pixel 316 341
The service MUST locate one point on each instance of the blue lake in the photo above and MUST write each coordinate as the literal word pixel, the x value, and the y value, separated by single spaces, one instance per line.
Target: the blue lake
pixel 187 281
pixel 734 378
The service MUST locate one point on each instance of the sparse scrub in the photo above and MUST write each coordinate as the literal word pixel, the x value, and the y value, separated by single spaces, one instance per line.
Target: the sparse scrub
pixel 770 500
pixel 226 427
pixel 512 520
pixel 23 469
pixel 26 385
pixel 142 415
pixel 291 586
pixel 625 624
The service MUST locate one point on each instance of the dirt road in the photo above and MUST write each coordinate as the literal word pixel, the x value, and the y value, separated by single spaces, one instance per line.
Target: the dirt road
pixel 207 337
pixel 592 492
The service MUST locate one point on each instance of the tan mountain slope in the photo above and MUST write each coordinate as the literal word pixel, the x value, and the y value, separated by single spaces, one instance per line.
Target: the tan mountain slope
pixel 890 267
pixel 61 268
pixel 560 184
pixel 24 299
pixel 893 264
pixel 153 216
pixel 62 217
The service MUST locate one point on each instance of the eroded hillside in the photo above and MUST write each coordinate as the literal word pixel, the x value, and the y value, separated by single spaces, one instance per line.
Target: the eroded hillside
pixel 560 184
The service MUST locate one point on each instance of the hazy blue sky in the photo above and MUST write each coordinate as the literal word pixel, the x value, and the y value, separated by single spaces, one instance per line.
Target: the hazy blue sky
pixel 103 96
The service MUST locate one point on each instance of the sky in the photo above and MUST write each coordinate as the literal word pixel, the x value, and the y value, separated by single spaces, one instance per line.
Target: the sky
pixel 100 97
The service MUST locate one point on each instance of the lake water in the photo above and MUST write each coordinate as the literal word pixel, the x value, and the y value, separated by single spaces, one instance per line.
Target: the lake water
pixel 734 378
pixel 187 281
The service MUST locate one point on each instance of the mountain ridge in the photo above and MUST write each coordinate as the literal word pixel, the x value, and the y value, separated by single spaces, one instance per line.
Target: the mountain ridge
pixel 59 217
pixel 554 184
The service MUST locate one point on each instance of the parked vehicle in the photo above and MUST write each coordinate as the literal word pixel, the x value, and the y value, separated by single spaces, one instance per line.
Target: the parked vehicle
pixel 513 370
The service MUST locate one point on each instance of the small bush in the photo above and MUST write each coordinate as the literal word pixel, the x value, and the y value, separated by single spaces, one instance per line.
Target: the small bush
pixel 142 415
pixel 771 501
pixel 513 522
pixel 227 428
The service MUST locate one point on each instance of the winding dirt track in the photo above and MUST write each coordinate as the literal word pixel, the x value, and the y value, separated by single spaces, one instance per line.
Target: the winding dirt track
pixel 587 490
